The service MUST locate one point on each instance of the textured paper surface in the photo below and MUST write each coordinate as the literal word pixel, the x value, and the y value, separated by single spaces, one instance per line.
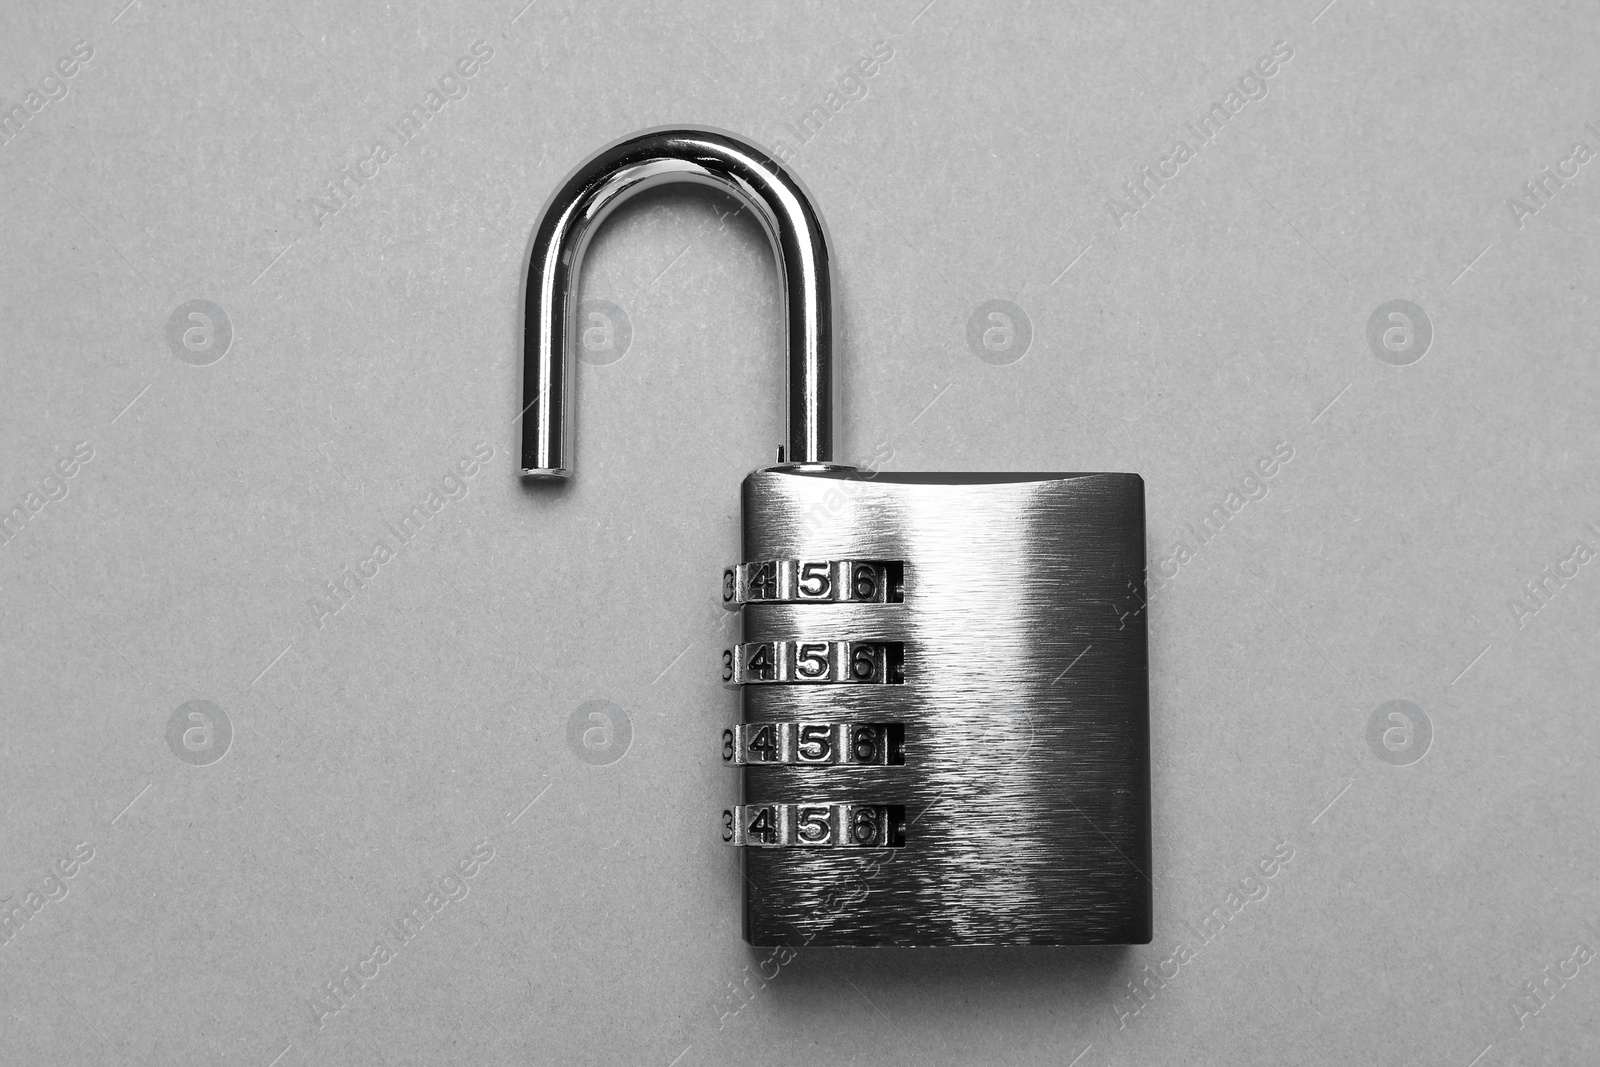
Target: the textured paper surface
pixel 529 676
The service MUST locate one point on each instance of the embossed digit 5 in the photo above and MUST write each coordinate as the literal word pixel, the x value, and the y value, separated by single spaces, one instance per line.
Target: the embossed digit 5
pixel 811 825
pixel 814 580
pixel 811 660
pixel 816 742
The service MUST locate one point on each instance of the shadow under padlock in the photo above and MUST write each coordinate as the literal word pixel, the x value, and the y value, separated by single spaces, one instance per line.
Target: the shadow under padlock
pixel 920 716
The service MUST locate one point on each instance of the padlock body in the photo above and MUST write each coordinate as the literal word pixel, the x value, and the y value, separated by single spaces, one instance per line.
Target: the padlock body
pixel 1002 660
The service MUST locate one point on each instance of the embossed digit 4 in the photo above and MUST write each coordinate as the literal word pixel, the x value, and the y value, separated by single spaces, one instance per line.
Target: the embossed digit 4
pixel 764 827
pixel 764 742
pixel 764 582
pixel 762 663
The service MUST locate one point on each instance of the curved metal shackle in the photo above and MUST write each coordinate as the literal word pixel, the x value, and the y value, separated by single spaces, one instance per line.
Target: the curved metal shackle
pixel 596 188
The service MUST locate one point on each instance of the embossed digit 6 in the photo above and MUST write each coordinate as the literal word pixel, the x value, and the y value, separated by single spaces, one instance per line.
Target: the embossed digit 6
pixel 865 744
pixel 864 662
pixel 864 826
pixel 865 581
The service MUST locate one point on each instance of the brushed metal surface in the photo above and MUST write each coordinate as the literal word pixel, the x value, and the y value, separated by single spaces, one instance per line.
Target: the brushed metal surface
pixel 1026 780
pixel 602 183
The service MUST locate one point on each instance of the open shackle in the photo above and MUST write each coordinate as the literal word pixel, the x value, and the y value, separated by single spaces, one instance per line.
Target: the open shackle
pixel 597 187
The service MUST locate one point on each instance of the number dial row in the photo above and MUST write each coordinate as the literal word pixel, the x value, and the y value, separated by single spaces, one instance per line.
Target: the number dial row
pixel 799 581
pixel 814 663
pixel 815 825
pixel 814 744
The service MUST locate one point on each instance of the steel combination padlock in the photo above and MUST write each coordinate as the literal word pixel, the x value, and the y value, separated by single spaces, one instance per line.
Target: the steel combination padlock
pixel 945 728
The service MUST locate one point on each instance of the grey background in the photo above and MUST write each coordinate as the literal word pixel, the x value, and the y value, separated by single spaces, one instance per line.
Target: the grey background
pixel 373 351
